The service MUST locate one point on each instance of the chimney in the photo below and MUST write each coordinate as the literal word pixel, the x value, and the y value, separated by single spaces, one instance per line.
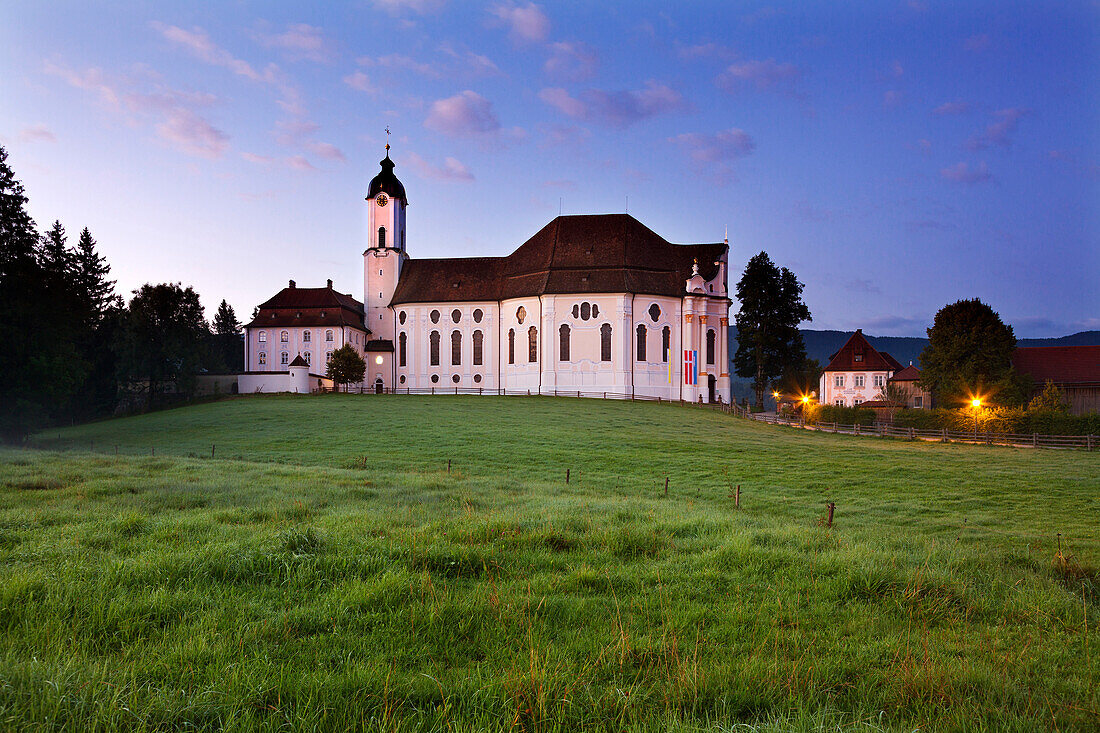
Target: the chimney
pixel 859 330
pixel 330 284
pixel 292 284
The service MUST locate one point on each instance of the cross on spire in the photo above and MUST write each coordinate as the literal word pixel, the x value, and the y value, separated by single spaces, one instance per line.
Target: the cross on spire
pixel 387 140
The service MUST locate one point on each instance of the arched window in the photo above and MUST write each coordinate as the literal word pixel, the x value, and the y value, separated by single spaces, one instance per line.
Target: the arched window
pixel 328 357
pixel 605 342
pixel 433 348
pixel 284 358
pixel 532 344
pixel 710 345
pixel 563 345
pixel 263 337
pixel 479 340
pixel 381 236
pixel 328 335
pixel 456 348
pixel 401 343
pixel 511 346
pixel 305 336
pixel 666 343
pixel 263 358
pixel 284 336
pixel 641 342
pixel 307 356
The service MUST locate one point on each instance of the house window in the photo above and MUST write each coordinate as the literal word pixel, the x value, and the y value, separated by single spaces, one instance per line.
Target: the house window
pixel 838 380
pixel 454 378
pixel 328 357
pixel 511 346
pixel 563 345
pixel 918 401
pixel 654 312
pixel 401 318
pixel 521 313
pixel 456 348
pixel 284 336
pixel 435 378
pixel 860 380
pixel 666 343
pixel 284 358
pixel 402 340
pixel 879 380
pixel 641 342
pixel 859 357
pixel 305 336
pixel 433 348
pixel 306 356
pixel 839 402
pixel 381 236
pixel 710 345
pixel 586 311
pixel 478 315
pixel 479 342
pixel 456 315
pixel 434 315
pixel 263 337
pixel 605 342
pixel 263 358
pixel 328 335
pixel 532 344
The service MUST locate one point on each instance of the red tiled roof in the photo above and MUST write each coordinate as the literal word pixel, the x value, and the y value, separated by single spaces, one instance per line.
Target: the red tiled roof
pixel 873 359
pixel 1059 364
pixel 293 306
pixel 908 374
pixel 298 362
pixel 605 253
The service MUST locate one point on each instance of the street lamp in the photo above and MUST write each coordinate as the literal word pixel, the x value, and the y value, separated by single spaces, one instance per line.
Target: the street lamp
pixel 977 403
pixel 775 396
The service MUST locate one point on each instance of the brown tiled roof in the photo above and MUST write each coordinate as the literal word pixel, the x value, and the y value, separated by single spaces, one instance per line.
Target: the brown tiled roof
pixel 600 253
pixel 379 345
pixel 298 362
pixel 1059 364
pixel 908 374
pixel 873 359
pixel 294 306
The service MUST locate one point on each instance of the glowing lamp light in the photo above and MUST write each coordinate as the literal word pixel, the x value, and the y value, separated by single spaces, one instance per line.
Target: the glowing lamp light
pixel 976 403
pixel 378 360
pixel 806 399
pixel 775 395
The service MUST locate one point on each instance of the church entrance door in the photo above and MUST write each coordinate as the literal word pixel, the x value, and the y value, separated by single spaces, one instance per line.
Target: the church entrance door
pixel 711 384
pixel 379 387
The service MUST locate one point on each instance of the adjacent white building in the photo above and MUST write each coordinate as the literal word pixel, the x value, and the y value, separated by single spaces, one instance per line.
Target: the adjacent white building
pixel 594 303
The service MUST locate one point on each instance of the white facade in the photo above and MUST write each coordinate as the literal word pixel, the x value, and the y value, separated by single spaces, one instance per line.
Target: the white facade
pixel 852 388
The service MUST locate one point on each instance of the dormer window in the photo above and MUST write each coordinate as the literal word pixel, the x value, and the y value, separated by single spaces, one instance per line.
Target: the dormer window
pixel 859 357
pixel 322 314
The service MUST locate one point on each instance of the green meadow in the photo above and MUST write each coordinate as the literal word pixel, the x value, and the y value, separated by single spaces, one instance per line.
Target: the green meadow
pixel 324 570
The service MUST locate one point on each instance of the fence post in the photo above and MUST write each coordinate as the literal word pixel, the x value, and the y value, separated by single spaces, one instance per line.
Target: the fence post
pixel 567 475
pixel 666 485
pixel 829 520
pixel 737 497
pixel 1034 440
pixel 212 451
pixel 911 437
pixel 448 465
pixel 1089 442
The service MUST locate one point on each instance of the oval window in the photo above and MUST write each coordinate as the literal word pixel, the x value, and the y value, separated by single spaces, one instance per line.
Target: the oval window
pixel 401 317
pixel 402 379
pixel 521 313
pixel 586 311
pixel 477 315
pixel 654 312
pixel 456 315
pixel 434 315
pixel 454 378
pixel 576 311
pixel 435 378
pixel 477 379
pixel 595 310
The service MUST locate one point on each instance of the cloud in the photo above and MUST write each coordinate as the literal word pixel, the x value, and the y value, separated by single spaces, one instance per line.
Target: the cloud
pixel 257 159
pixel 862 286
pixel 706 51
pixel 451 170
pixel 399 61
pixel 466 114
pixel 560 100
pixel 571 61
pixel 952 108
pixel 526 23
pixel 198 43
pixel 764 74
pixel 453 63
pixel 962 173
pixel 298 133
pixel 895 325
pixel 299 163
pixel 468 63
pixel 420 7
pixel 300 41
pixel 37 134
pixel 999 133
pixel 91 79
pixel 616 108
pixel 324 150
pixel 192 134
pixel 892 98
pixel 362 82
pixel 716 153
pixel 977 43
pixel 555 134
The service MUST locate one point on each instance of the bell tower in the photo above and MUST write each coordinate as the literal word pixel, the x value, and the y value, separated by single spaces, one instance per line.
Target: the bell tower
pixel 385 254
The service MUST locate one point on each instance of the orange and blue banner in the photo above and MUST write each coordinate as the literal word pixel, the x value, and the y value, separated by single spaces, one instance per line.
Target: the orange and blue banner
pixel 691 367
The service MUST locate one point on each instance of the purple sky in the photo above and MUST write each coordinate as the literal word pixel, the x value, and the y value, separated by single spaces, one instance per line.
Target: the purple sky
pixel 896 156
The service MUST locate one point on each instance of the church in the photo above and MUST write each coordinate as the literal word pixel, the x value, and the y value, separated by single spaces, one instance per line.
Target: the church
pixel 592 304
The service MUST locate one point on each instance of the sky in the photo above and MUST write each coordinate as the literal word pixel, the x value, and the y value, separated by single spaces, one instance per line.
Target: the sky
pixel 897 156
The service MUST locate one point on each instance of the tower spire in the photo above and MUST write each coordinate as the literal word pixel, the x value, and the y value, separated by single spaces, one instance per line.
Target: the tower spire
pixel 387 141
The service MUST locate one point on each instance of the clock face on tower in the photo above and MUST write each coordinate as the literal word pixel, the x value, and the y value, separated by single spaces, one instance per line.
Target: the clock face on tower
pixel 381 200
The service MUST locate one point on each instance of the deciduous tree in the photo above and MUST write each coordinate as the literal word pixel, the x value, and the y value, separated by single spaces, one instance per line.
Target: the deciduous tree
pixel 767 323
pixel 345 366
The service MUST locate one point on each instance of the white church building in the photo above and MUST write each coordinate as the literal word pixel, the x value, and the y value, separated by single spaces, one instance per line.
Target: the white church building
pixel 592 304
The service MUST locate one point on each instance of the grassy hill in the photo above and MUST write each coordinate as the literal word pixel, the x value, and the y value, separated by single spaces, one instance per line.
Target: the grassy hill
pixel 325 571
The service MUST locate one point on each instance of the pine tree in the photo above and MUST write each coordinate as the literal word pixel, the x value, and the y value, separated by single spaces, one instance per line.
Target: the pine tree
pixel 225 321
pixel 768 340
pixel 57 259
pixel 228 342
pixel 92 270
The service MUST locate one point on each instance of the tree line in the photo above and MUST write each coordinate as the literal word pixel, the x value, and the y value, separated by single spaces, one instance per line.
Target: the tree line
pixel 74 350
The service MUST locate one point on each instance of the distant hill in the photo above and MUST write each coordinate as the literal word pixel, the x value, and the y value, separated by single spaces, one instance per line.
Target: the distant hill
pixel 821 345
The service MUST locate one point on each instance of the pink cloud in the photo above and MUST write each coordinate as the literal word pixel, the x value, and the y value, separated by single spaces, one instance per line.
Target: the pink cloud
pixel 257 159
pixel 977 43
pixel 525 22
pixel 399 61
pixel 1000 132
pixel 37 134
pixel 716 153
pixel 962 173
pixel 420 7
pixel 300 41
pixel 299 163
pixel 324 150
pixel 560 100
pixel 952 108
pixel 465 114
pixel 192 134
pixel 451 170
pixel 618 108
pixel 91 79
pixel 362 82
pixel 199 44
pixel 764 74
pixel 571 61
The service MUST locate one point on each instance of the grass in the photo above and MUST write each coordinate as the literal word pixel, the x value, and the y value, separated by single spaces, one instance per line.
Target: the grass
pixel 325 571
